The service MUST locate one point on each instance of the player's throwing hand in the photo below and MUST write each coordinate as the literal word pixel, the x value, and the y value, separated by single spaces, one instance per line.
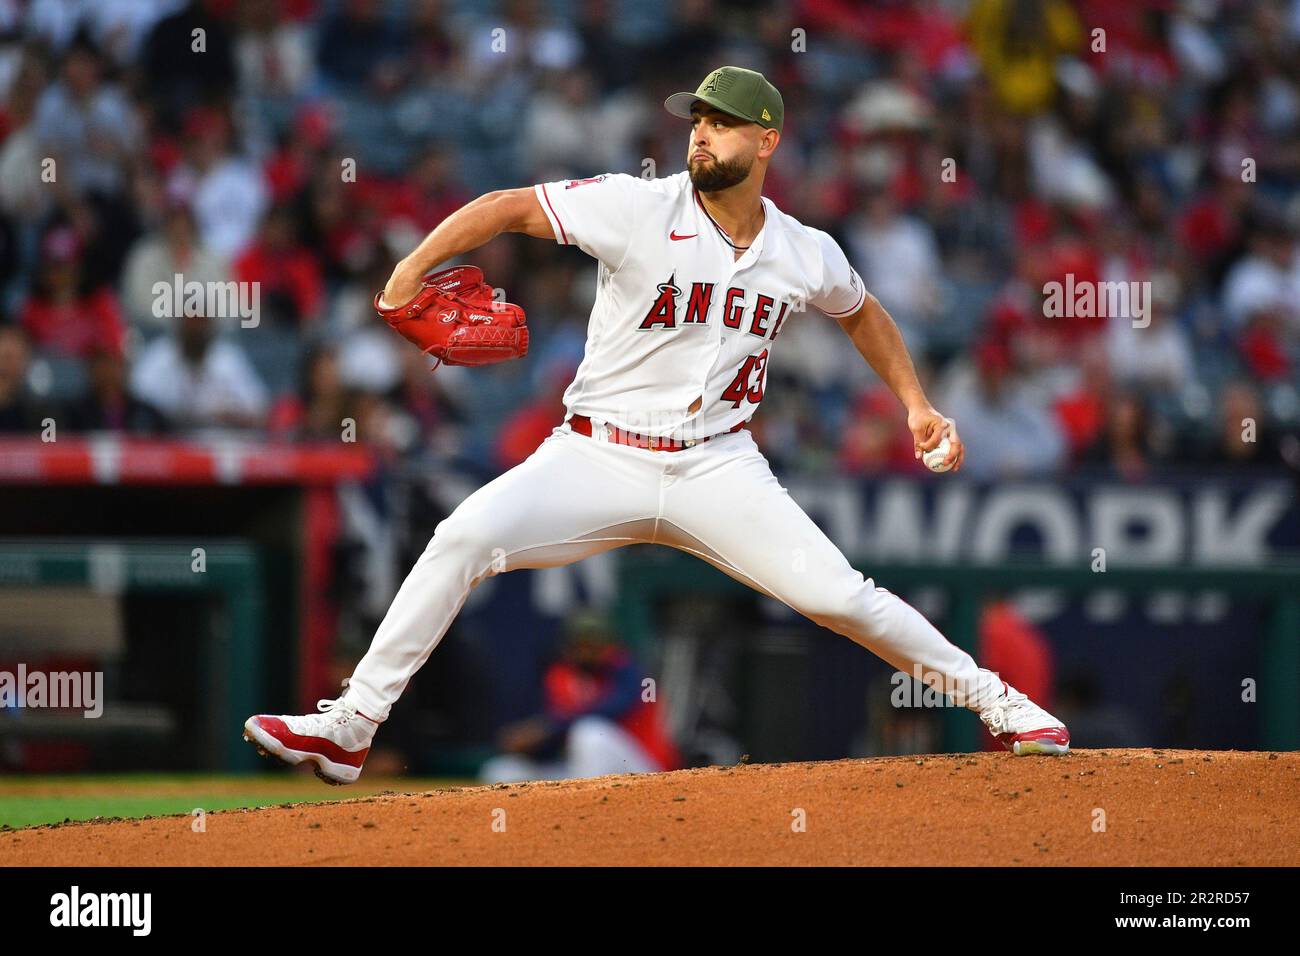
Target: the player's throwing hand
pixel 929 428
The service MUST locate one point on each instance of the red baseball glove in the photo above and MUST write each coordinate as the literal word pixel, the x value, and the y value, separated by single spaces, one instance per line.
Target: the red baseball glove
pixel 455 319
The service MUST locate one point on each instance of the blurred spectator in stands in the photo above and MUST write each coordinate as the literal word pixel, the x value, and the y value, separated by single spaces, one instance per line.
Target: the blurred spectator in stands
pixel 875 438
pixel 120 27
pixel 605 52
pixel 432 45
pixel 108 226
pixel 1081 408
pixel 47 22
pixel 86 125
pixel 434 419
pixel 539 42
pixel 1064 166
pixel 385 428
pixel 1107 167
pixel 1237 137
pixel 356 41
pixel 20 411
pixel 107 404
pixel 23 193
pixel 227 193
pixel 272 53
pixel 796 432
pixel 814 351
pixel 370 354
pixel 300 149
pixel 595 720
pixel 150 199
pixel 1127 444
pixel 341 231
pixel 1136 53
pixel 1018 43
pixel 1071 269
pixel 574 125
pixel 59 315
pixel 1210 228
pixel 319 410
pixel 1017 651
pixel 287 272
pixel 690 37
pixel 1156 358
pixel 1008 432
pixel 199 380
pixel 426 195
pixel 1266 281
pixel 174 249
pixel 531 425
pixel 1242 434
pixel 188 58
pixel 1263 343
pixel 422 397
pixel 898 259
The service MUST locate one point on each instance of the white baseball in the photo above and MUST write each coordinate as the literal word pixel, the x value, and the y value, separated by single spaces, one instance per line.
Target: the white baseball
pixel 934 457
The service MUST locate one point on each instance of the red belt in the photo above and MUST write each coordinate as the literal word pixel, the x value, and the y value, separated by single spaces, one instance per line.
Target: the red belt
pixel 582 425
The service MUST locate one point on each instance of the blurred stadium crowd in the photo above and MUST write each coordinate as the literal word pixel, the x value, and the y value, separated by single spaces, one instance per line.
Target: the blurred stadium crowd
pixel 964 154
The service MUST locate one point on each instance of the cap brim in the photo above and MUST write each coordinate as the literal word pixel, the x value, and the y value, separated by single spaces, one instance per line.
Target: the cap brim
pixel 679 104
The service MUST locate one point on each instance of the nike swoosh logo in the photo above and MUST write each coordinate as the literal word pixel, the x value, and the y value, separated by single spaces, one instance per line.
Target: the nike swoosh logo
pixel 673 235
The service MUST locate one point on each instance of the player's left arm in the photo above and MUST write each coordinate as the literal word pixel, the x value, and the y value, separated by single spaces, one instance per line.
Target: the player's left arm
pixel 875 334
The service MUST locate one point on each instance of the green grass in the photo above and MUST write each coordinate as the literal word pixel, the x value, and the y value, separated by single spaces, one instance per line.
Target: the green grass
pixel 25 812
pixel 31 800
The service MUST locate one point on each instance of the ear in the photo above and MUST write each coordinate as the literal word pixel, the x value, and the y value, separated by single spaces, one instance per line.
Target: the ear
pixel 767 143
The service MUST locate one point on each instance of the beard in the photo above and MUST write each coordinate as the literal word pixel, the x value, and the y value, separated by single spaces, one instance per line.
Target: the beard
pixel 719 174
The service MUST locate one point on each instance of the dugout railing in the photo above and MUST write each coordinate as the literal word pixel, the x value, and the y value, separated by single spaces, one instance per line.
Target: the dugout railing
pixel 232 661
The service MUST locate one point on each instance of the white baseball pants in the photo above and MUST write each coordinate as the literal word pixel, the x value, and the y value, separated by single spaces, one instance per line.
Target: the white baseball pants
pixel 576 496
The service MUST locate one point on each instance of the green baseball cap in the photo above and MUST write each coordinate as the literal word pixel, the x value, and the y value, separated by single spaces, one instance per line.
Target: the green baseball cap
pixel 735 90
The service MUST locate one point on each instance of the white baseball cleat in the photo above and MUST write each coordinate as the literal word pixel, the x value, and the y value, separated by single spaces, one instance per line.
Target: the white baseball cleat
pixel 336 740
pixel 1022 726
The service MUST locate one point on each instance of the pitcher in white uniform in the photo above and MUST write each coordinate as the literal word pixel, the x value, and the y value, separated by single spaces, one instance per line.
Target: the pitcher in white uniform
pixel 698 274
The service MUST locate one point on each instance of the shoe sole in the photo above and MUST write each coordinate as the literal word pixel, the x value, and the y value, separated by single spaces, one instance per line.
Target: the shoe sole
pixel 335 774
pixel 1025 748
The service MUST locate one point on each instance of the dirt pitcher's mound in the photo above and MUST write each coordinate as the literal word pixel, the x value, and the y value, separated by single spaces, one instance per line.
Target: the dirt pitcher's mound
pixel 1118 807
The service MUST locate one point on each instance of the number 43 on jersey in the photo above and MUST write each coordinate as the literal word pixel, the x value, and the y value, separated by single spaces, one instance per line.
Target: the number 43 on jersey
pixel 748 383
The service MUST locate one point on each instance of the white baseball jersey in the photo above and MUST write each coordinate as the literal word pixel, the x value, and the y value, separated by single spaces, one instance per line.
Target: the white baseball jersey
pixel 681 332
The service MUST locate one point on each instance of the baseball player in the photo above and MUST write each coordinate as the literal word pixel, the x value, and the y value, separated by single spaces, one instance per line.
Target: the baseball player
pixel 698 274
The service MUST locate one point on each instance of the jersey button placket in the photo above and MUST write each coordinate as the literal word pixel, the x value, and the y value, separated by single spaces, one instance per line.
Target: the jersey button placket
pixel 717 251
pixel 734 266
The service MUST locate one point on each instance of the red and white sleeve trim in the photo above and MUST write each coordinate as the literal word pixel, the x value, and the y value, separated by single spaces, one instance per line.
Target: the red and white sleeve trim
pixel 561 234
pixel 857 305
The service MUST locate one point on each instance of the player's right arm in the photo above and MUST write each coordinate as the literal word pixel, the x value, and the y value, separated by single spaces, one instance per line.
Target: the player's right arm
pixel 470 226
pixel 842 295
